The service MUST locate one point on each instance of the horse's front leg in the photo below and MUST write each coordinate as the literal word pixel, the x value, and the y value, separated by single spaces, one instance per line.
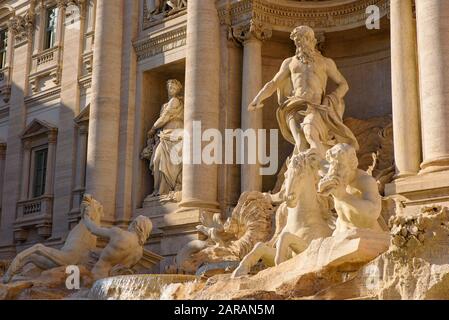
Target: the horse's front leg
pixel 286 242
pixel 260 251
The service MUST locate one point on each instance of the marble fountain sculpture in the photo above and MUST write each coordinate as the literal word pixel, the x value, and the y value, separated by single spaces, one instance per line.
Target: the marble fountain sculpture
pixel 322 235
pixel 123 251
pixel 329 232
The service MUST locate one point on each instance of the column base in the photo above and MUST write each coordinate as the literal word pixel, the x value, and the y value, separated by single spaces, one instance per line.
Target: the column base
pixel 435 165
pixel 189 203
pixel 404 175
pixel 421 190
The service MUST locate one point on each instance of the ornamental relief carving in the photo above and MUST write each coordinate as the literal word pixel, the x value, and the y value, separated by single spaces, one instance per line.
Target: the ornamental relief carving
pixel 22 27
pixel 284 18
pixel 252 30
pixel 150 47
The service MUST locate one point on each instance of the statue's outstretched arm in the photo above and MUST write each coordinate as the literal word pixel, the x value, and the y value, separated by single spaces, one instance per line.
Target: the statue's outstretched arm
pixel 96 230
pixel 271 87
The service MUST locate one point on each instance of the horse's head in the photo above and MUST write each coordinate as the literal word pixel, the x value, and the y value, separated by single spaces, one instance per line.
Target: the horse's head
pixel 301 175
pixel 92 208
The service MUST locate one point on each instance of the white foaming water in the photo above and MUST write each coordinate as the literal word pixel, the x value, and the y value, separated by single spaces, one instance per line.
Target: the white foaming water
pixel 138 287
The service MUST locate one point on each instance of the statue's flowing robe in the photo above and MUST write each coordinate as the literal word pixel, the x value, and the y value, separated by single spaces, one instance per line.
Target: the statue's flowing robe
pixel 167 156
pixel 327 118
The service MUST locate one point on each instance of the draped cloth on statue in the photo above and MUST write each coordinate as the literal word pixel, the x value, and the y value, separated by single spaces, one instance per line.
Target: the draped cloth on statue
pixel 167 159
pixel 326 118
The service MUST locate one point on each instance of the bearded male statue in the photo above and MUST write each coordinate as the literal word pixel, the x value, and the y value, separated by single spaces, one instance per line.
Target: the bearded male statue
pixel 307 116
pixel 355 192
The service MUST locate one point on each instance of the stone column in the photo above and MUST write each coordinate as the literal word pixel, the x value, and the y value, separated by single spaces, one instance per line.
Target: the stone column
pixel 60 23
pixel 199 181
pixel 51 158
pixel 404 73
pixel 125 195
pixel 102 151
pixel 230 98
pixel 251 36
pixel 20 65
pixel 432 19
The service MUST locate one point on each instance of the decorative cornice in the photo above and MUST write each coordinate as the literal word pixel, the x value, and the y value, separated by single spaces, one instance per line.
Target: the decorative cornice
pixel 22 27
pixel 149 47
pixel 323 16
pixel 252 30
pixel 39 127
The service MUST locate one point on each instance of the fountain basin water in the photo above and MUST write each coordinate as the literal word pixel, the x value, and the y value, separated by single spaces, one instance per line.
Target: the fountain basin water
pixel 136 287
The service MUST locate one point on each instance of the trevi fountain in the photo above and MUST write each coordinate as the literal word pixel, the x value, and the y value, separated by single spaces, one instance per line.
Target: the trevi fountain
pixel 357 207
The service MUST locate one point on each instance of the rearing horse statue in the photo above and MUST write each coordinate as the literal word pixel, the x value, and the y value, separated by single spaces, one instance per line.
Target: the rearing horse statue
pixel 305 210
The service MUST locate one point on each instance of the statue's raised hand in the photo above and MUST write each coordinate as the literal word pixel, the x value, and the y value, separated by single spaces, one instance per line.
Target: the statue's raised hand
pixel 255 104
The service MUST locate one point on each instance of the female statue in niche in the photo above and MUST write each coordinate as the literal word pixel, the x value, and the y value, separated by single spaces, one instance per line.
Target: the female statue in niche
pixel 164 146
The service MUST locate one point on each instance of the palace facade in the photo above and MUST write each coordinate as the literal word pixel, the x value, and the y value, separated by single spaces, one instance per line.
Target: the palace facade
pixel 83 81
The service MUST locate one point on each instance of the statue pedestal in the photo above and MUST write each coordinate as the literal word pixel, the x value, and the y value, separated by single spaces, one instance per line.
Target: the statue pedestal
pixel 173 227
pixel 326 262
pixel 159 205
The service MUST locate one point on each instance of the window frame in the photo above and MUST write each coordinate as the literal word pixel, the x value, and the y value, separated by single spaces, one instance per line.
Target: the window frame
pixel 4 47
pixel 50 31
pixel 34 173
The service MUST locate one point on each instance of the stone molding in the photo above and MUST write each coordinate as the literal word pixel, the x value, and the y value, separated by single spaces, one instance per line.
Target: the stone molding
pixel 340 15
pixel 170 40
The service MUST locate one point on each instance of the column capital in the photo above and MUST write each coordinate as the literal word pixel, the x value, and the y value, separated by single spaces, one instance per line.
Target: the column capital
pixel 254 30
pixel 22 26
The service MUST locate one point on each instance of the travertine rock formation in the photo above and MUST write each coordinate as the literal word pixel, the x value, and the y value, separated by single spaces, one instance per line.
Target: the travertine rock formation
pixel 49 285
pixel 415 267
pixel 324 263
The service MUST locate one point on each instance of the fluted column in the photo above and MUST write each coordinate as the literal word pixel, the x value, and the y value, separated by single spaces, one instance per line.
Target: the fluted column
pixel 102 154
pixel 251 36
pixel 199 181
pixel 404 73
pixel 432 19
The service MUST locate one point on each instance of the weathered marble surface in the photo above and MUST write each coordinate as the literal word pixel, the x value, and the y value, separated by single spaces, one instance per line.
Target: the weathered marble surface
pixel 415 267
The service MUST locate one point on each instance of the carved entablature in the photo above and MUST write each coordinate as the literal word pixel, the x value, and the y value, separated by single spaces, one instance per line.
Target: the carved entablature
pixel 22 27
pixel 151 46
pixel 322 16
pixel 157 11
